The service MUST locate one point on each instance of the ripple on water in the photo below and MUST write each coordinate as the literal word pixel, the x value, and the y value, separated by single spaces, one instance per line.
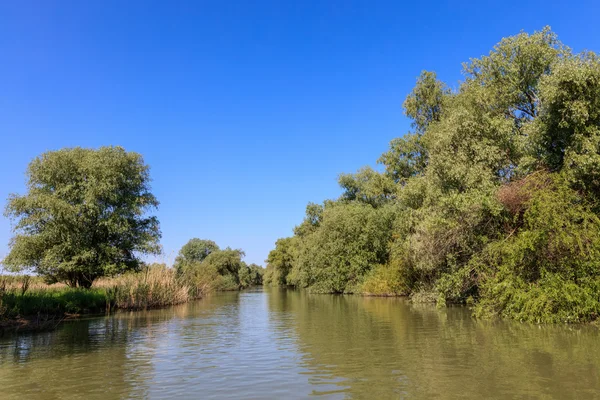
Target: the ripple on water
pixel 289 344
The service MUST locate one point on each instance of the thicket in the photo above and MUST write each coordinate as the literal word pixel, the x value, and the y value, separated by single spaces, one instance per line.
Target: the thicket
pixel 493 199
pixel 209 267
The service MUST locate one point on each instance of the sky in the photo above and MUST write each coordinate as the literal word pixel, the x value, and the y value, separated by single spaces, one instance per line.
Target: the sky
pixel 244 110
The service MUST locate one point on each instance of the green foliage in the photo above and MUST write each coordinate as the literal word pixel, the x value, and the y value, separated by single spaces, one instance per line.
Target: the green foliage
pixel 280 261
pixel 493 200
pixel 53 302
pixel 226 262
pixel 391 279
pixel 367 186
pixel 406 158
pixel 83 216
pixel 568 135
pixel 549 270
pixel 194 251
pixel 250 275
pixel 206 267
pixel 425 104
pixel 351 239
pixel 314 215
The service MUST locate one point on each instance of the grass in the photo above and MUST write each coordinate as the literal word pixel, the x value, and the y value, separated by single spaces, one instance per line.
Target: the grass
pixel 154 287
pixel 53 302
pixel 24 299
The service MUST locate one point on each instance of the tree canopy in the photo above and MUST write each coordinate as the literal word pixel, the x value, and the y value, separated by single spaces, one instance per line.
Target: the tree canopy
pixel 195 250
pixel 84 215
pixel 206 264
pixel 493 199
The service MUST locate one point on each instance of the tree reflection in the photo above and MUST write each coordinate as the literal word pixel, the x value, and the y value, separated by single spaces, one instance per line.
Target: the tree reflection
pixel 388 348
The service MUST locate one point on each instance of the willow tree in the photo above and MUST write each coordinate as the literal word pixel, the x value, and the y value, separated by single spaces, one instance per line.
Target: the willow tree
pixel 194 251
pixel 84 216
pixel 493 197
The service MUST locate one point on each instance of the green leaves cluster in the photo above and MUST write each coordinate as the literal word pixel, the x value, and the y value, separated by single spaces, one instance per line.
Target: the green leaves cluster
pixel 204 264
pixel 493 199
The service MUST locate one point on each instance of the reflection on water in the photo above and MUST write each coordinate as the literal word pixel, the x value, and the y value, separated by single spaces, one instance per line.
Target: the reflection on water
pixel 289 344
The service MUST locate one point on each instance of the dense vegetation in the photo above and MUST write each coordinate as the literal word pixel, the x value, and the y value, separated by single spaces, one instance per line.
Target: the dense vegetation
pixel 493 199
pixel 154 286
pixel 203 262
pixel 81 229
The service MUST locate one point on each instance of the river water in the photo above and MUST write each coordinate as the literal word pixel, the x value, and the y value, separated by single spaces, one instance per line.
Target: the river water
pixel 277 343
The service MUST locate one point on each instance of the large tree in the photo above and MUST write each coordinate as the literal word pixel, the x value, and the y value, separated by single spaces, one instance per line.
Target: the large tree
pixel 84 215
pixel 194 251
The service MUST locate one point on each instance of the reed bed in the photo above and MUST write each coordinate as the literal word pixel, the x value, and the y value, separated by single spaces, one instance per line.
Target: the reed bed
pixel 154 287
pixel 25 297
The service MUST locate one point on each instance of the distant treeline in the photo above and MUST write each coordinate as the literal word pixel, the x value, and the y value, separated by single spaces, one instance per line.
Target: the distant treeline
pixel 492 200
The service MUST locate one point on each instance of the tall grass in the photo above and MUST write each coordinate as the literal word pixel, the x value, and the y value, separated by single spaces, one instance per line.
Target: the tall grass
pixel 155 286
pixel 53 301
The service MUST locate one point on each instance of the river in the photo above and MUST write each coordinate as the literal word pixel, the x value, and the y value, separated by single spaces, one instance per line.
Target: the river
pixel 277 343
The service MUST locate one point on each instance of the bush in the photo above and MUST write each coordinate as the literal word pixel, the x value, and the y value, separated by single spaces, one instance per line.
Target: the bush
pixel 387 280
pixel 549 270
pixel 350 239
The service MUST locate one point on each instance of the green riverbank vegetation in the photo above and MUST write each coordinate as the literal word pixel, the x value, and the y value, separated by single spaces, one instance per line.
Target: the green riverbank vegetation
pixel 31 302
pixel 81 230
pixel 492 200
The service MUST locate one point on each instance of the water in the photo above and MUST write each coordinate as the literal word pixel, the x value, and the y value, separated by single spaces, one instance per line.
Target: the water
pixel 290 344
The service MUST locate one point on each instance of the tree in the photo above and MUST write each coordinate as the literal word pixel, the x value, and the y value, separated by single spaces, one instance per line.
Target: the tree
pixel 314 214
pixel 425 105
pixel 280 261
pixel 494 198
pixel 569 130
pixel 351 238
pixel 367 186
pixel 84 215
pixel 194 251
pixel 226 262
pixel 407 157
pixel 250 275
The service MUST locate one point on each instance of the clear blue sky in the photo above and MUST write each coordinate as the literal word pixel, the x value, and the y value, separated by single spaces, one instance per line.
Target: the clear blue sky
pixel 245 110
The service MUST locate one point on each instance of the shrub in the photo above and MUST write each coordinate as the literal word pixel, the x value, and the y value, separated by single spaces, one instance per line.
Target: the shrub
pixel 549 270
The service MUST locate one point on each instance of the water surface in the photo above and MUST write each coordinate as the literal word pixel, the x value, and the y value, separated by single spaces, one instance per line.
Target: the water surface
pixel 290 344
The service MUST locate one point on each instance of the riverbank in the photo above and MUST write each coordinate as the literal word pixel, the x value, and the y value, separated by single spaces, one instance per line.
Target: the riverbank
pixel 28 303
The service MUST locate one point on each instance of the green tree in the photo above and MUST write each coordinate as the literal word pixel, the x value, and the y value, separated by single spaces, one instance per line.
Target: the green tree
pixel 312 220
pixel 194 251
pixel 406 158
pixel 494 198
pixel 226 262
pixel 425 104
pixel 250 275
pixel 349 241
pixel 408 155
pixel 84 215
pixel 367 186
pixel 280 261
pixel 567 135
